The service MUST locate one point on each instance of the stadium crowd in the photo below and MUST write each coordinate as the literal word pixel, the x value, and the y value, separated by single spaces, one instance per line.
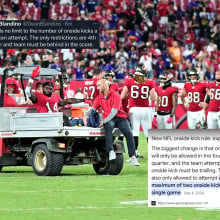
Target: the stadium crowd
pixel 164 35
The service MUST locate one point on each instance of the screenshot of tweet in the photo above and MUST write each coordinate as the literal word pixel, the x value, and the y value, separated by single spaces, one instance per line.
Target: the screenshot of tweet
pixel 184 168
pixel 49 34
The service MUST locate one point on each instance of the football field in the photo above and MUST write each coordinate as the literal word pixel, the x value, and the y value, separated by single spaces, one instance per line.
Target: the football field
pixel 79 193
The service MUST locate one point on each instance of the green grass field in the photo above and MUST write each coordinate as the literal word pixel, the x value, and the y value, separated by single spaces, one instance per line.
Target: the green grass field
pixel 81 194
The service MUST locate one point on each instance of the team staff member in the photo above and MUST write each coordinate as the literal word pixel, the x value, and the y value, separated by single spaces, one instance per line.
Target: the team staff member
pixel 113 117
pixel 196 92
pixel 166 102
pixel 138 90
pixel 212 103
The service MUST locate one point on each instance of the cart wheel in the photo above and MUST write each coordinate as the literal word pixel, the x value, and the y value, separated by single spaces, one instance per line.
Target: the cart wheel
pixel 113 167
pixel 45 162
pixel 116 165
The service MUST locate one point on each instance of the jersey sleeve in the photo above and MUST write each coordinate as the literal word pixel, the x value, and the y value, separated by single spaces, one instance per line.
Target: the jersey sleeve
pixel 127 82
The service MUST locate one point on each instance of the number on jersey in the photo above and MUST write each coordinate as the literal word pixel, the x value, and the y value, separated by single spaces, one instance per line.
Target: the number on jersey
pixel 55 107
pixel 215 94
pixel 194 97
pixel 89 91
pixel 163 101
pixel 143 94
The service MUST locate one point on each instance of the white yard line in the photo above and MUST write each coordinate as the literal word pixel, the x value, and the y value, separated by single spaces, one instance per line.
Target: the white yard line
pixel 71 190
pixel 65 208
pixel 208 209
pixel 138 202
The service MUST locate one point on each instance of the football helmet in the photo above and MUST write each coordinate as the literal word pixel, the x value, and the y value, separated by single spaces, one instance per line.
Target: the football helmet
pixel 139 73
pixel 108 73
pixel 11 73
pixel 192 72
pixel 140 70
pixel 65 79
pixel 166 77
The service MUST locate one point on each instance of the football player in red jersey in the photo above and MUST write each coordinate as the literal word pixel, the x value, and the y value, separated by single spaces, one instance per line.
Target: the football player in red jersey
pixel 196 92
pixel 166 102
pixel 90 90
pixel 46 101
pixel 212 103
pixel 138 90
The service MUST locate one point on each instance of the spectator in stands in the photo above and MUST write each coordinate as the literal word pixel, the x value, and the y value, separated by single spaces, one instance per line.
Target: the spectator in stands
pixel 160 42
pixel 65 17
pixel 45 7
pixel 180 13
pixel 45 58
pixel 146 60
pixel 15 7
pixel 82 16
pixel 122 55
pixel 82 6
pixel 106 66
pixel 132 57
pixel 216 35
pixel 54 16
pixel 56 64
pixel 91 6
pixel 19 62
pixel 194 25
pixel 180 74
pixel 130 17
pixel 85 57
pixel 162 12
pixel 28 61
pixel 203 25
pixel 102 51
pixel 188 51
pixel 70 71
pixel 120 69
pixel 210 73
pixel 176 54
pixel 79 71
pixel 89 70
pixel 159 65
pixel 68 54
pixel 97 15
pixel 188 66
pixel 11 16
